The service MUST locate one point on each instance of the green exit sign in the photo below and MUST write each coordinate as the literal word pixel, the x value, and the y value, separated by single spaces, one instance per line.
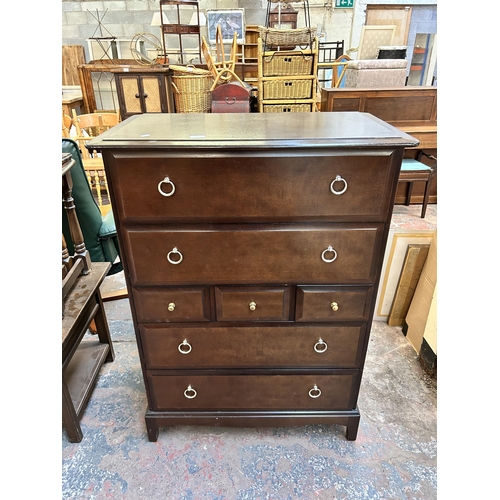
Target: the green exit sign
pixel 344 4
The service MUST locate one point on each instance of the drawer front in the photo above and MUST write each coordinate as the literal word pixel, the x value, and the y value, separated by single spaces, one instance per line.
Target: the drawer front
pixel 252 303
pixel 269 254
pixel 256 392
pixel 279 346
pixel 333 303
pixel 170 304
pixel 260 187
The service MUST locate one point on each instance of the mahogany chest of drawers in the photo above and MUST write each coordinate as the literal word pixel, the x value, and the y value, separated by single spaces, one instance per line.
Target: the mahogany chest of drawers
pixel 252 246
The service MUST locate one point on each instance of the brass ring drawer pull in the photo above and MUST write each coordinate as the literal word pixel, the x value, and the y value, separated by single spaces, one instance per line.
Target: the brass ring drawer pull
pixel 329 250
pixel 320 346
pixel 252 306
pixel 314 393
pixel 176 252
pixel 338 179
pixel 185 347
pixel 190 393
pixel 334 306
pixel 171 307
pixel 166 181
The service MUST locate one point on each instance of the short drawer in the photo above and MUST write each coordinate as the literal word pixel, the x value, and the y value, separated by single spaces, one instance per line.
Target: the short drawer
pixel 333 303
pixel 281 253
pixel 252 303
pixel 170 304
pixel 279 346
pixel 255 392
pixel 261 187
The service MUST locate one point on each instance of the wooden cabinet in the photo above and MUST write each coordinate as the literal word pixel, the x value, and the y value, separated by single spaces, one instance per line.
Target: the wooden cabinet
pixel 144 92
pixel 283 17
pixel 253 250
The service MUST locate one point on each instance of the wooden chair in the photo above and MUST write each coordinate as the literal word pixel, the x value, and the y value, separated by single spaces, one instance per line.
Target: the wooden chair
pixel 88 126
pixel 221 69
pixel 67 123
pixel 339 68
pixel 414 171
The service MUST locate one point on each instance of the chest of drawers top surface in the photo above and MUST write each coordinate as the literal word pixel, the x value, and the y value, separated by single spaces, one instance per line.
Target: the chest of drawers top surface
pixel 157 130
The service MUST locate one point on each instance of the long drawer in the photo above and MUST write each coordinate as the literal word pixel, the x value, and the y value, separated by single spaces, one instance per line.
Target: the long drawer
pixel 256 392
pixel 285 346
pixel 253 254
pixel 282 187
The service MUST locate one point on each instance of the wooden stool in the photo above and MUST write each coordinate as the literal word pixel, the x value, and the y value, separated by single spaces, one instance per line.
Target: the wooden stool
pixel 414 170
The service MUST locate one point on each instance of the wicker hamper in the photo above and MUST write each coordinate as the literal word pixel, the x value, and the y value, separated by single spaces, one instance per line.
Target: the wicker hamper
pixel 192 89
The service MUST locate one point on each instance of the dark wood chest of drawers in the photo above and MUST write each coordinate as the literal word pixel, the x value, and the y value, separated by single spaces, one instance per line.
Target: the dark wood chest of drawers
pixel 252 246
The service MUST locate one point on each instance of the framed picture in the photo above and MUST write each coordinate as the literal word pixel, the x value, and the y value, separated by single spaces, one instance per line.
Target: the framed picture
pixel 230 21
pixel 372 37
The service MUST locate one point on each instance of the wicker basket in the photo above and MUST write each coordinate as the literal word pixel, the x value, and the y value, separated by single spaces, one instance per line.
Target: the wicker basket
pixel 287 108
pixel 288 89
pixel 192 92
pixel 188 70
pixel 287 64
pixel 276 37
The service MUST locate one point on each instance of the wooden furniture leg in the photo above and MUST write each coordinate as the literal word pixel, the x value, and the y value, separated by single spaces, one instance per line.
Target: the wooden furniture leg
pixel 70 419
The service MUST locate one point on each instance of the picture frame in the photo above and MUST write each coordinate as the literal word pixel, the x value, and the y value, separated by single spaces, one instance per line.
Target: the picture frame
pixel 230 20
pixel 373 37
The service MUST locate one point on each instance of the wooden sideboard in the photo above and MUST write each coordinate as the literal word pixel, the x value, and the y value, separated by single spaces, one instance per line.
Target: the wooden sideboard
pixel 252 249
pixel 410 109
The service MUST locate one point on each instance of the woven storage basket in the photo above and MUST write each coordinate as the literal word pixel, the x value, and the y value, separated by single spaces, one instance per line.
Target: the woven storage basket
pixel 192 92
pixel 287 64
pixel 288 89
pixel 188 70
pixel 287 108
pixel 284 38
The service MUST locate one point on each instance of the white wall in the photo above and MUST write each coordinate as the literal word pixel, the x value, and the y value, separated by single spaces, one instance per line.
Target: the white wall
pixel 125 18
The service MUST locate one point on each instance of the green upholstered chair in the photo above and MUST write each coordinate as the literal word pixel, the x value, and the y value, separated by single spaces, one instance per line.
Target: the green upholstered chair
pixel 414 171
pixel 99 232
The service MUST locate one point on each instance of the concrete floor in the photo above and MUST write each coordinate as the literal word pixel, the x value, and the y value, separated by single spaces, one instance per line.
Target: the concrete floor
pixel 394 456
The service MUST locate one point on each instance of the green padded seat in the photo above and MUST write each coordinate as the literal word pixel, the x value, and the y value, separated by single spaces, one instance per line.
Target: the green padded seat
pixel 99 232
pixel 410 164
pixel 414 171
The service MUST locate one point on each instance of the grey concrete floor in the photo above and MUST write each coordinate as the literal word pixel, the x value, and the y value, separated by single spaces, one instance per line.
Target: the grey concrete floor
pixel 394 456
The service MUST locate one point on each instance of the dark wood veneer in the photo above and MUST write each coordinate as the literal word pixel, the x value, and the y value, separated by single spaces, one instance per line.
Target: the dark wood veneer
pixel 238 329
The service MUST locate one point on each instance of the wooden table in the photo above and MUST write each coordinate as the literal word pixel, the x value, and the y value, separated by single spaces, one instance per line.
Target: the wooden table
pixel 81 304
pixel 72 100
